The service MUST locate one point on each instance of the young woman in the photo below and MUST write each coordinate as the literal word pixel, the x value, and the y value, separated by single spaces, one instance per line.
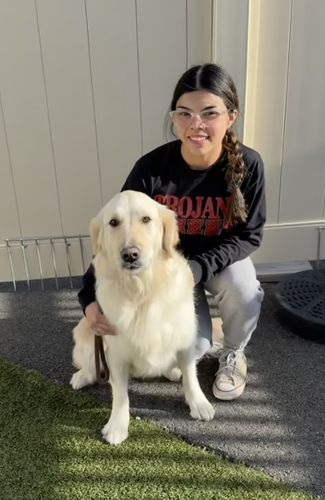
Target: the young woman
pixel 215 184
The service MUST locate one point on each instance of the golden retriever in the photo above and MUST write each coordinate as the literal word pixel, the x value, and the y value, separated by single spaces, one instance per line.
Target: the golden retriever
pixel 144 287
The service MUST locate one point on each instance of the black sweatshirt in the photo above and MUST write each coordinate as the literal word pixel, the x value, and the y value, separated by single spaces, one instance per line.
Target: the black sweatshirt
pixel 200 198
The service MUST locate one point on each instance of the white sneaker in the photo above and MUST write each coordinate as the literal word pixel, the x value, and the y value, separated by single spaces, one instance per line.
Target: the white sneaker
pixel 231 376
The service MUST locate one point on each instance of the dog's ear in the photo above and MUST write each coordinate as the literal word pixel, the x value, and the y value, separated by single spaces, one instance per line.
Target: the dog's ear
pixel 170 236
pixel 95 230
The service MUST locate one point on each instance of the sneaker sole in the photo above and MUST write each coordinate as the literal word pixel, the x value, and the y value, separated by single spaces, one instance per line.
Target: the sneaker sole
pixel 229 395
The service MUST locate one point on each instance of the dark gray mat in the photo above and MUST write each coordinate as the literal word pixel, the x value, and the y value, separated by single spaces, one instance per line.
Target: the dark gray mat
pixel 278 425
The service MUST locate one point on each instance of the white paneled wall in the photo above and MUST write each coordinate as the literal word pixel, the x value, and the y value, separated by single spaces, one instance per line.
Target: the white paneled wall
pixel 85 86
pixel 199 31
pixel 27 142
pixel 67 78
pixel 10 224
pixel 303 178
pixel 285 105
pixel 113 49
pixel 229 45
pixel 162 47
pixel 266 91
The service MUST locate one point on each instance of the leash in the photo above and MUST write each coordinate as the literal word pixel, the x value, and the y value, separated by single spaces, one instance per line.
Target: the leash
pixel 102 378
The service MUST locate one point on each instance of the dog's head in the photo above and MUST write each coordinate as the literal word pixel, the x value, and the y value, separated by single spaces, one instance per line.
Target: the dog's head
pixel 133 230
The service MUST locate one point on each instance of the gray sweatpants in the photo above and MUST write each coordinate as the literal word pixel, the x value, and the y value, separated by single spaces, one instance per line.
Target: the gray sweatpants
pixel 239 296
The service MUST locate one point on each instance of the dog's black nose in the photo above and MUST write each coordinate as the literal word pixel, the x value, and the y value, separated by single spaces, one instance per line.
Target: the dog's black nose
pixel 130 254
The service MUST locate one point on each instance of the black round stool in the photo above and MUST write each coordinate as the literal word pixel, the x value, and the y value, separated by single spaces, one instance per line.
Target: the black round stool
pixel 301 300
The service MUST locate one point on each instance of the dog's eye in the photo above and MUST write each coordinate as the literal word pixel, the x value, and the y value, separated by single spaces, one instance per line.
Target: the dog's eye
pixel 113 222
pixel 146 219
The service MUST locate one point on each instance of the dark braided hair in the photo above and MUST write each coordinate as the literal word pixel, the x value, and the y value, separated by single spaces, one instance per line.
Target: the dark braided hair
pixel 215 79
pixel 234 176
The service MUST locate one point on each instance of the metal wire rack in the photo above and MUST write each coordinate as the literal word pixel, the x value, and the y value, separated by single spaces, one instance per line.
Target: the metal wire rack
pixel 40 259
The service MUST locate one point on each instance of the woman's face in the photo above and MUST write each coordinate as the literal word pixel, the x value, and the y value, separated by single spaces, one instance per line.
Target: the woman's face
pixel 201 134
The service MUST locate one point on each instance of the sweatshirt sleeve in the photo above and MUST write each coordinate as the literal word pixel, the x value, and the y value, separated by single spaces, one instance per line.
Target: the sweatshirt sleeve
pixel 87 294
pixel 245 237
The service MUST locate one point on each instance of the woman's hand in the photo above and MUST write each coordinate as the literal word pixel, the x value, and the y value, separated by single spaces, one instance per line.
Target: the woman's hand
pixel 97 320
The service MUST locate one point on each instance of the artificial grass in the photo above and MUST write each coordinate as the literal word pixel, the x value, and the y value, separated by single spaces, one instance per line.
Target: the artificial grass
pixel 50 448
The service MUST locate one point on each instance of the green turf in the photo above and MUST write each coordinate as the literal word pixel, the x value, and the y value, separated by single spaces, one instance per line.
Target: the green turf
pixel 50 448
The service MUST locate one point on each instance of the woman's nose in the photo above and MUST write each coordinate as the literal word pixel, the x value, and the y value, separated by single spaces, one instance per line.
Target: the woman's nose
pixel 196 120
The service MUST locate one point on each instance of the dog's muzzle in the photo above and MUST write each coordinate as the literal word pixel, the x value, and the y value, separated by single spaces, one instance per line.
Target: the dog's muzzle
pixel 131 258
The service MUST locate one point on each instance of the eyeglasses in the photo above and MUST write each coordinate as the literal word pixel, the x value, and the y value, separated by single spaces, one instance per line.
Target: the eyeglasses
pixel 206 115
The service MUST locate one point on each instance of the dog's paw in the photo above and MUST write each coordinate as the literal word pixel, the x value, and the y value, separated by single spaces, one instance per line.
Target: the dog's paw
pixel 173 374
pixel 202 410
pixel 79 380
pixel 114 434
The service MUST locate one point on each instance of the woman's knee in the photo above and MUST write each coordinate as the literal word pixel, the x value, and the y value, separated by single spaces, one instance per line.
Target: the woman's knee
pixel 238 282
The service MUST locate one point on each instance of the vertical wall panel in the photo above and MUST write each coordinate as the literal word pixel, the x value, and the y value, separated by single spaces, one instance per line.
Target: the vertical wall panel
pixel 229 45
pixel 303 177
pixel 266 92
pixel 162 60
pixel 9 221
pixel 288 243
pixel 64 44
pixel 114 63
pixel 26 119
pixel 199 32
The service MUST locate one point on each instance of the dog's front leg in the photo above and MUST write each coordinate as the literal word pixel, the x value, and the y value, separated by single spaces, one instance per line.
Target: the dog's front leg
pixel 116 429
pixel 200 407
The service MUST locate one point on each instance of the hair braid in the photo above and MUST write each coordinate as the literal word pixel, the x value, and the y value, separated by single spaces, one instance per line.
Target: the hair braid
pixel 235 173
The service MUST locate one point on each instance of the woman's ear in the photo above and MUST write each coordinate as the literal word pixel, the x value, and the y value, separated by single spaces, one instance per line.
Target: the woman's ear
pixel 95 230
pixel 233 115
pixel 170 235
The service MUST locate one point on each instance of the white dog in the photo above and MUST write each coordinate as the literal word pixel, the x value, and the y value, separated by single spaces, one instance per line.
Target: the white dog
pixel 145 289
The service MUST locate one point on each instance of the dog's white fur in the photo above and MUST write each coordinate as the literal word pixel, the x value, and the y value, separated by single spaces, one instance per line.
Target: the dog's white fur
pixel 150 303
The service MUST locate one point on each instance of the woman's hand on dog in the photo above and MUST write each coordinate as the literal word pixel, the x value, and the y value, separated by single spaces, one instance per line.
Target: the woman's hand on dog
pixel 97 320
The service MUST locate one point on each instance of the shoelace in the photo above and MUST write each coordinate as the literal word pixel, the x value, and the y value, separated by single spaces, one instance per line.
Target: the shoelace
pixel 227 363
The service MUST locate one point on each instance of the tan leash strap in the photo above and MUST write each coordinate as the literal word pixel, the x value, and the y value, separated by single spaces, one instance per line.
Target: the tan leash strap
pixel 102 378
